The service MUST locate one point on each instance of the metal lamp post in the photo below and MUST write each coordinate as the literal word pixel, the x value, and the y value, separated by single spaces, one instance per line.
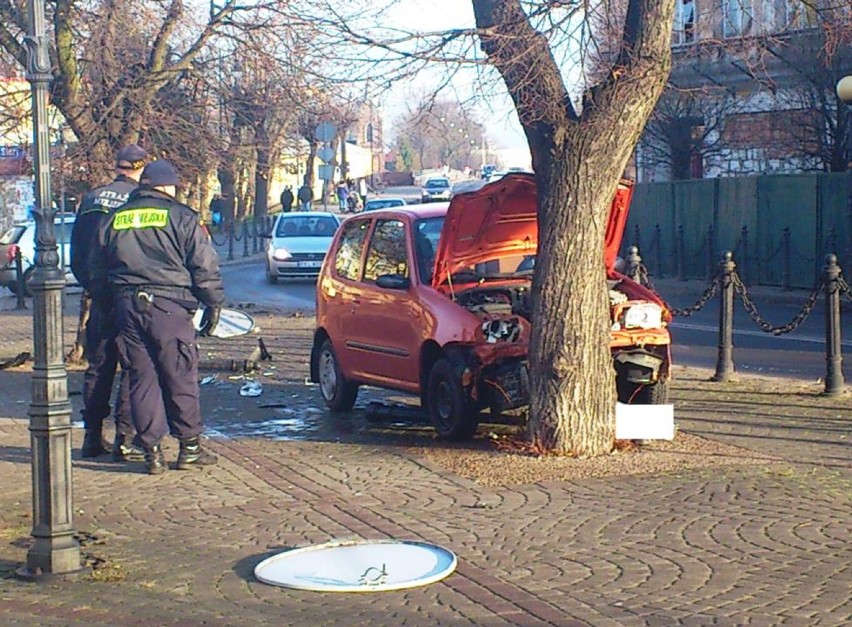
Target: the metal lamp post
pixel 54 550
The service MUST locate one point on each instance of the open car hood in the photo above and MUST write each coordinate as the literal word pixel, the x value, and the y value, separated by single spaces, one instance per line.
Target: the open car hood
pixel 500 220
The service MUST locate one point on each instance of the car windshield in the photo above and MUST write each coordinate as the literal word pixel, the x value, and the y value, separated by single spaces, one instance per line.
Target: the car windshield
pixel 12 235
pixel 437 184
pixel 382 204
pixel 306 226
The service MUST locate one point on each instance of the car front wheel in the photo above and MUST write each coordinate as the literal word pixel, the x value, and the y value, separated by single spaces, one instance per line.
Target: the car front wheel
pixel 641 394
pixel 338 393
pixel 449 411
pixel 272 278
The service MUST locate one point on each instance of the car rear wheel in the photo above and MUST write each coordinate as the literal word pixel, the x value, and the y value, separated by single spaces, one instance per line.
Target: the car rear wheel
pixel 28 279
pixel 641 394
pixel 451 415
pixel 338 393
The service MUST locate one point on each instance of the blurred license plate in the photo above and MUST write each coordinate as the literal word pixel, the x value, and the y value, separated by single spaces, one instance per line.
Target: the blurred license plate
pixel 309 264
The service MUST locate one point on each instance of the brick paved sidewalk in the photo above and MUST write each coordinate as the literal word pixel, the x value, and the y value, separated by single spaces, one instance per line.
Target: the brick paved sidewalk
pixel 758 544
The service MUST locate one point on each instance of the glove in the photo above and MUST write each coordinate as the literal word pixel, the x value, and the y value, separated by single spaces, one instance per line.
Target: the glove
pixel 209 320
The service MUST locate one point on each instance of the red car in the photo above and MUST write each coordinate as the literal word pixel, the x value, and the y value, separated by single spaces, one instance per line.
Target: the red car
pixel 435 300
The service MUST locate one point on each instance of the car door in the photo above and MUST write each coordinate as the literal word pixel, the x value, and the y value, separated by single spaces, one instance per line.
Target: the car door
pixel 386 329
pixel 339 289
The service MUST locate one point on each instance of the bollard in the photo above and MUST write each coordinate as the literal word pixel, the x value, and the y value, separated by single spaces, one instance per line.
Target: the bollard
pixel 785 248
pixel 710 266
pixel 634 264
pixel 833 356
pixel 679 253
pixel 19 279
pixel 245 239
pixel 725 362
pixel 230 240
pixel 658 265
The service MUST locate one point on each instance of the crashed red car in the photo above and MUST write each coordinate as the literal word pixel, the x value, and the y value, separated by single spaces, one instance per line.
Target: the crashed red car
pixel 435 300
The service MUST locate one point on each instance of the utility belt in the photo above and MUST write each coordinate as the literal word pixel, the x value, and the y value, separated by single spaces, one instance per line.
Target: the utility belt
pixel 144 297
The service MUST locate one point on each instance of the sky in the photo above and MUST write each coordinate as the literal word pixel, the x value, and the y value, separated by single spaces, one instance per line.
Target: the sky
pixel 501 123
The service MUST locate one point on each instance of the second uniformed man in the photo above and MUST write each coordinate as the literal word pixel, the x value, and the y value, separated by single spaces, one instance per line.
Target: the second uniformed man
pixel 159 263
pixel 101 352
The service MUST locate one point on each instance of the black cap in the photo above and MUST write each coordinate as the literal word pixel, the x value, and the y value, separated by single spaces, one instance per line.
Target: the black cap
pixel 131 157
pixel 159 174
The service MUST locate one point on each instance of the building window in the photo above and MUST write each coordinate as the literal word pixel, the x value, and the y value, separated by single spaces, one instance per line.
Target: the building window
pixel 800 14
pixel 684 25
pixel 739 15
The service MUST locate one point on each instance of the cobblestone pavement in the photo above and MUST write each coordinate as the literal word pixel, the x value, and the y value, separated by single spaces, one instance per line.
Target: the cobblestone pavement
pixel 764 544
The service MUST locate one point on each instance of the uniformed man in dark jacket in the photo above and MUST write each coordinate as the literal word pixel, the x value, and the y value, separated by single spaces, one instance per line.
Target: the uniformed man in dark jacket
pixel 101 352
pixel 159 263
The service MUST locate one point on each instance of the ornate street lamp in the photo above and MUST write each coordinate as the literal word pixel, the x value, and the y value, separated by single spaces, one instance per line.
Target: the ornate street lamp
pixel 54 550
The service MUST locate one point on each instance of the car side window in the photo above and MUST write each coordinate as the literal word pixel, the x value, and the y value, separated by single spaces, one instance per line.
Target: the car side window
pixel 347 261
pixel 388 251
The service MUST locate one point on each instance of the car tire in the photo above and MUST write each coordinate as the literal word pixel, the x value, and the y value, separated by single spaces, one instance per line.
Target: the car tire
pixel 338 393
pixel 640 394
pixel 451 415
pixel 28 280
pixel 273 279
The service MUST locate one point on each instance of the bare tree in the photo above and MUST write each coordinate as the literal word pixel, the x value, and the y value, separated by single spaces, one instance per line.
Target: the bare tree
pixel 582 129
pixel 441 132
pixel 686 131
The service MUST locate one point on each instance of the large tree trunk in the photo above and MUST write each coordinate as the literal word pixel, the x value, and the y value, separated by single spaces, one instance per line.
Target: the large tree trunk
pixel 578 158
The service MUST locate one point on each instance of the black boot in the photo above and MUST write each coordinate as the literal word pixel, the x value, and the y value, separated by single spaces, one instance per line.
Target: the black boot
pixel 125 451
pixel 93 444
pixel 191 455
pixel 155 460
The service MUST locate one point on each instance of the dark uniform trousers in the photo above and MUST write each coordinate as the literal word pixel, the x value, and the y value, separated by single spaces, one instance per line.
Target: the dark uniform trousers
pixel 102 355
pixel 156 343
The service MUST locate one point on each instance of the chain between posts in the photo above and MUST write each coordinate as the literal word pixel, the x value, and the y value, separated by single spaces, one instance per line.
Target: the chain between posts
pixel 768 327
pixel 638 271
pixel 845 288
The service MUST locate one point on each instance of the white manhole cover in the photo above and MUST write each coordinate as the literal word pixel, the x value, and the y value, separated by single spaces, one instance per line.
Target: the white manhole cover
pixel 358 566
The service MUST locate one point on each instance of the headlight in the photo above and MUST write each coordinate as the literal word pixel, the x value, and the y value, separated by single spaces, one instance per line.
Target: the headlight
pixel 643 316
pixel 281 254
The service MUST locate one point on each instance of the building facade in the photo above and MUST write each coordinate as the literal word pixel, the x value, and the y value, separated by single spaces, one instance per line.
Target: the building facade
pixel 752 91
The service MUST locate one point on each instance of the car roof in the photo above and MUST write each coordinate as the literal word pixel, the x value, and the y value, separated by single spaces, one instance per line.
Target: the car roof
pixel 310 214
pixel 58 218
pixel 385 199
pixel 416 212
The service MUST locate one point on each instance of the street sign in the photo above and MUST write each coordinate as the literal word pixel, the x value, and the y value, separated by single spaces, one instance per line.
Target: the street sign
pixel 326 172
pixel 326 153
pixel 325 132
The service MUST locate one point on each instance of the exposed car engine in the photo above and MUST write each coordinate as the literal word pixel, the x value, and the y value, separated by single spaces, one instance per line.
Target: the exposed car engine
pixel 497 301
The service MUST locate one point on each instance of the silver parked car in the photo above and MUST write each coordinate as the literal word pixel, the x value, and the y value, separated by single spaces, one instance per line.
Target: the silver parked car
pixel 21 236
pixel 298 243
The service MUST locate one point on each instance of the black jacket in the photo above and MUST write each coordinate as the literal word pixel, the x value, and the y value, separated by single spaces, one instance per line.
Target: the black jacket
pixel 156 244
pixel 95 207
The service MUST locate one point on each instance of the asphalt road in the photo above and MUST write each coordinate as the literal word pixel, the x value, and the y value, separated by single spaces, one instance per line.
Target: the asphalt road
pixel 799 354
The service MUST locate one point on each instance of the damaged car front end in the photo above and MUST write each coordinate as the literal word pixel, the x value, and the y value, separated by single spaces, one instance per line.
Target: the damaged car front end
pixel 436 301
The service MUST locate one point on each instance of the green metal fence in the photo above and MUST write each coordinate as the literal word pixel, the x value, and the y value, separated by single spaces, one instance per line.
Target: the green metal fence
pixel 780 228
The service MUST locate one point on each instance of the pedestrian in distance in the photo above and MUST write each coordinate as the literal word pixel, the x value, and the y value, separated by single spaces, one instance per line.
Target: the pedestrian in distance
pixel 100 332
pixel 158 263
pixel 343 196
pixel 287 200
pixel 305 196
pixel 362 190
